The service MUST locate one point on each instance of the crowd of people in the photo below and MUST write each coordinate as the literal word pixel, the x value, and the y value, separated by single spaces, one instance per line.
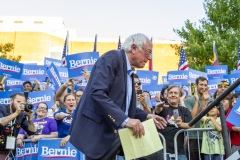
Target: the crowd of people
pixel 114 99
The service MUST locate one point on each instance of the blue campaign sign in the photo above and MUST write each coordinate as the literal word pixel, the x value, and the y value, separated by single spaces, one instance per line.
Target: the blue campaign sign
pixel 34 72
pixel 153 90
pixel 235 71
pixel 63 72
pixel 148 77
pixel 216 71
pixel 13 84
pixel 54 76
pixel 28 152
pixel 49 61
pixel 213 85
pixel 234 115
pixel 5 97
pixel 10 68
pixel 77 62
pixel 164 80
pixel 232 78
pixel 178 77
pixel 50 149
pixel 194 74
pixel 46 96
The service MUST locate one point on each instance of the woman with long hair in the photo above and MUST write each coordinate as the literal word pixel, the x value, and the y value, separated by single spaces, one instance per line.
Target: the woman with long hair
pixel 64 117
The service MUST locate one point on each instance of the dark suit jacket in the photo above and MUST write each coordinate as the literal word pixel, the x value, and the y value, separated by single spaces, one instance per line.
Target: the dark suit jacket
pixel 100 112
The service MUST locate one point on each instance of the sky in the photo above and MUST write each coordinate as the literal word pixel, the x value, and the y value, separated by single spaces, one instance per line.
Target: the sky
pixel 155 18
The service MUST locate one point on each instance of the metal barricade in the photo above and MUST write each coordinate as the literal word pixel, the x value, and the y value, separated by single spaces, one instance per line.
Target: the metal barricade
pixel 191 130
pixel 164 146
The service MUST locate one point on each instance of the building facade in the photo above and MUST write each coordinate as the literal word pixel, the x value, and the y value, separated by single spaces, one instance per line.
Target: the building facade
pixel 37 37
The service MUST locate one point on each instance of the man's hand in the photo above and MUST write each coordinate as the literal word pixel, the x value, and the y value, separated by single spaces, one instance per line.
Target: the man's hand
pixel 29 115
pixel 195 94
pixel 136 126
pixel 183 94
pixel 157 97
pixel 178 121
pixel 206 95
pixel 19 109
pixel 160 122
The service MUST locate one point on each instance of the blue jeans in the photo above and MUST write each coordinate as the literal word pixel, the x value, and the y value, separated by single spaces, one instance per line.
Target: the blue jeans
pixel 213 157
pixel 180 157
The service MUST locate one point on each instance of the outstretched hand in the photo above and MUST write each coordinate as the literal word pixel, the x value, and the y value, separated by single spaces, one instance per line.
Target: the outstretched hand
pixel 160 122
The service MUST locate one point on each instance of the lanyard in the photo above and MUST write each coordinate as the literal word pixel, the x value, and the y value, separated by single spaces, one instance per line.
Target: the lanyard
pixel 12 123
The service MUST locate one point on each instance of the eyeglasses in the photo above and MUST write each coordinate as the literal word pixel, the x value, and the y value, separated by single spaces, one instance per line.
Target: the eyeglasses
pixel 138 83
pixel 42 108
pixel 148 51
pixel 223 83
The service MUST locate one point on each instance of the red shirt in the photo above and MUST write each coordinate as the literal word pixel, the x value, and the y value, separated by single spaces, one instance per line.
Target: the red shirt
pixel 234 136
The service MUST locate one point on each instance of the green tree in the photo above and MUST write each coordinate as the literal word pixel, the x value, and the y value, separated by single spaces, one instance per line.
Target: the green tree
pixel 222 25
pixel 4 49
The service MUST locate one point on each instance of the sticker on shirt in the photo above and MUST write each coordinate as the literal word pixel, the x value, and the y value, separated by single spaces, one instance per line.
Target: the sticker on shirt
pixel 39 126
pixel 170 120
pixel 67 121
pixel 212 135
pixel 39 129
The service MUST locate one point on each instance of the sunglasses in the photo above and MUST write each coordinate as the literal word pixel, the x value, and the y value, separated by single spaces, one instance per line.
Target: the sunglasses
pixel 138 83
pixel 223 83
pixel 1 89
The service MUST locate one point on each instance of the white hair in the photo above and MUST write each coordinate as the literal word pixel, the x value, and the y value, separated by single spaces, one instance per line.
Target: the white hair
pixel 138 39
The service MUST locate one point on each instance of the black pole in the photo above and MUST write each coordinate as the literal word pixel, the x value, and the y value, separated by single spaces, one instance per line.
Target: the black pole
pixel 215 102
pixel 224 130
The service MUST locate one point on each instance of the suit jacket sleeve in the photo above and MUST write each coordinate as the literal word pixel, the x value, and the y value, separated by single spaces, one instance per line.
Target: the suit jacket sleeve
pixel 106 73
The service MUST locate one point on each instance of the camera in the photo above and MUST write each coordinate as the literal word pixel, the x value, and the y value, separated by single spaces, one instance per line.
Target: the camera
pixel 28 107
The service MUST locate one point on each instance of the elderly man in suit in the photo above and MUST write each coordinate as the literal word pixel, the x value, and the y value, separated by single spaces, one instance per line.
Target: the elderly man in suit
pixel 109 101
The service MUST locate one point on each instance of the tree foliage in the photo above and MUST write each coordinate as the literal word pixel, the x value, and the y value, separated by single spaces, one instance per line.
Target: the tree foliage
pixel 8 47
pixel 222 25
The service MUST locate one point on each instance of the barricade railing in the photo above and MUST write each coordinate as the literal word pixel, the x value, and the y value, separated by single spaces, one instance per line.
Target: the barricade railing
pixel 191 130
pixel 164 146
pixel 45 148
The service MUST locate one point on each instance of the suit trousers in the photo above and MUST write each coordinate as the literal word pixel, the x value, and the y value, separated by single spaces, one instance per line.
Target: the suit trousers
pixel 112 152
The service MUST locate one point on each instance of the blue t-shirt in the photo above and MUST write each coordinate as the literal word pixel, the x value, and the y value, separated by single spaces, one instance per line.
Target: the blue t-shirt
pixel 64 124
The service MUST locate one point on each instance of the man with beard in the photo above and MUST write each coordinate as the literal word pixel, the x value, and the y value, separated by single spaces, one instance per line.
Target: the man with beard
pixel 196 104
pixel 13 117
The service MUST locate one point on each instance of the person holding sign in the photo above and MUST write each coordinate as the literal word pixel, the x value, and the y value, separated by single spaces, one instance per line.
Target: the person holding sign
pixel 109 101
pixel 46 127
